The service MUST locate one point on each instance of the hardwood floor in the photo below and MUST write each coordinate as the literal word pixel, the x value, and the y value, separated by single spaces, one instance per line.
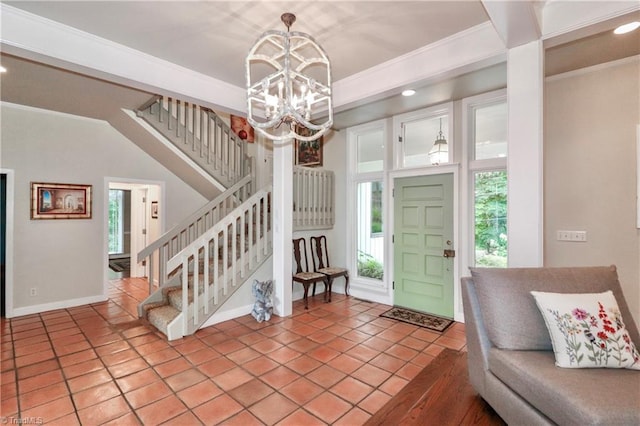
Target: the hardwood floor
pixel 439 395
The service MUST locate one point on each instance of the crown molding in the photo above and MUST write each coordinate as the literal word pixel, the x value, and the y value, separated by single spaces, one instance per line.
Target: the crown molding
pixel 466 51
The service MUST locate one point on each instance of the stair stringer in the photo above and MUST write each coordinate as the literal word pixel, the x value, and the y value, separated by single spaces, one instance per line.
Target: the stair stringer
pixel 157 146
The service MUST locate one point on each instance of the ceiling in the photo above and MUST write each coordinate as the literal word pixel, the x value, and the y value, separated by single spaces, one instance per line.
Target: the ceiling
pixel 356 35
pixel 213 37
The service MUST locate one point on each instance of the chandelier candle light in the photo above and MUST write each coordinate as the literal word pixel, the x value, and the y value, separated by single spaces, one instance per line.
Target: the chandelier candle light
pixel 288 82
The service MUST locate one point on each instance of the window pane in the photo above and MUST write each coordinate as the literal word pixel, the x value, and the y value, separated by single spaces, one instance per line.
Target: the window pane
pixel 490 219
pixel 370 152
pixel 491 131
pixel 418 138
pixel 370 245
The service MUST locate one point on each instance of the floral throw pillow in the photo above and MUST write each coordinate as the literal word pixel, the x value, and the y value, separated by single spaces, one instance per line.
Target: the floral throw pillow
pixel 587 331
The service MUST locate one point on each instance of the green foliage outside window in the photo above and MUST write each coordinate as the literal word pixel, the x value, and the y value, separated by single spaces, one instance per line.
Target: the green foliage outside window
pixel 376 208
pixel 369 267
pixel 491 219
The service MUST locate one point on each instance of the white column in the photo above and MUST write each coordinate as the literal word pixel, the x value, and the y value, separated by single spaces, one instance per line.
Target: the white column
pixel 525 86
pixel 282 226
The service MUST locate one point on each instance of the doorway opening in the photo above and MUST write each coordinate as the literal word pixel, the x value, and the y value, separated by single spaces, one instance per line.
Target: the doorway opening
pixel 131 225
pixel 119 233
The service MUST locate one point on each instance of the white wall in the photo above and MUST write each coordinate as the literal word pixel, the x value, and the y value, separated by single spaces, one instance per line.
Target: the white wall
pixel 63 259
pixel 590 169
pixel 334 158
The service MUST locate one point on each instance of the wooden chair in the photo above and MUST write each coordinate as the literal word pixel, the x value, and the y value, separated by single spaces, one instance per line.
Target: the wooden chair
pixel 304 276
pixel 321 254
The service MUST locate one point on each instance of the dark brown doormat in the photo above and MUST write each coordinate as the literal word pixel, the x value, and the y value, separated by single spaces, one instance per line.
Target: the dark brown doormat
pixel 431 322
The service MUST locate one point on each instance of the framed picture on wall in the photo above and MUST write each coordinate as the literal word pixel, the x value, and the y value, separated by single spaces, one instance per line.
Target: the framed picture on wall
pixel 308 153
pixel 154 210
pixel 60 201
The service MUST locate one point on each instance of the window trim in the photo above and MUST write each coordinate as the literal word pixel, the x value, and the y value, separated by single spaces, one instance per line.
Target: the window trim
pixel 422 114
pixel 470 166
pixel 372 289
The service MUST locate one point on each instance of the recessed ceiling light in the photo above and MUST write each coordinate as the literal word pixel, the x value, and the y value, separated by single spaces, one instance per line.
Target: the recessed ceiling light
pixel 408 92
pixel 627 28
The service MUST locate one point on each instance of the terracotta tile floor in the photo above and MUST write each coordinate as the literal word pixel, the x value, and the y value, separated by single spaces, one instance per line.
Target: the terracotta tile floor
pixel 337 363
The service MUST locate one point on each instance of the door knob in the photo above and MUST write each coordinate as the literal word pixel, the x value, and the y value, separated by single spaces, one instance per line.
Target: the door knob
pixel 449 253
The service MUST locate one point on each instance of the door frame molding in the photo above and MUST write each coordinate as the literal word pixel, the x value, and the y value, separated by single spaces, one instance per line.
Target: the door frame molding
pixel 128 183
pixel 451 168
pixel 9 223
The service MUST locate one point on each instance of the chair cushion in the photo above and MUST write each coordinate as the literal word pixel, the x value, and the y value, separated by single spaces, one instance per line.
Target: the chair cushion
pixel 308 276
pixel 332 271
pixel 595 396
pixel 509 312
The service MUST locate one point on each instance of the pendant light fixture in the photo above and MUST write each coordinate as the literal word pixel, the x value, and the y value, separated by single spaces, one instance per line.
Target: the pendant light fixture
pixel 440 152
pixel 288 85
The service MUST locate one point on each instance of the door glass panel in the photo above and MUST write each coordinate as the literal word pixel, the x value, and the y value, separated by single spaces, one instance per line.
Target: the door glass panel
pixel 490 131
pixel 418 138
pixel 490 219
pixel 370 151
pixel 370 240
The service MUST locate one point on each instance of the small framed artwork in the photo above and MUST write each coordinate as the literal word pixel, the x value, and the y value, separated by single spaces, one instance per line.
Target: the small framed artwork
pixel 308 153
pixel 154 210
pixel 60 201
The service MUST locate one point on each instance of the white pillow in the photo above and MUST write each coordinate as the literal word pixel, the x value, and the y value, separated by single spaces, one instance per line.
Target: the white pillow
pixel 586 330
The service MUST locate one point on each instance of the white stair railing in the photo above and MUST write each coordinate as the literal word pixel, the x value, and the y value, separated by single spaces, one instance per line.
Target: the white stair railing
pixel 200 134
pixel 214 265
pixel 313 198
pixel 184 233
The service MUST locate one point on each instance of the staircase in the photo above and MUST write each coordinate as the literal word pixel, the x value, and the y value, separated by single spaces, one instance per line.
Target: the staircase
pixel 201 135
pixel 205 273
pixel 198 264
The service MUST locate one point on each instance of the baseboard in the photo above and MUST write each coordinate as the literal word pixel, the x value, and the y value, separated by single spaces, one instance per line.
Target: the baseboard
pixel 63 304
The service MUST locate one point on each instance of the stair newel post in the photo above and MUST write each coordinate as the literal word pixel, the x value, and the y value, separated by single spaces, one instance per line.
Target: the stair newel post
pixel 163 258
pixel 151 273
pixel 185 292
pixel 266 219
pixel 214 146
pixel 242 233
pixel 234 253
pixel 179 113
pixel 160 109
pixel 210 125
pixel 205 278
pixel 169 113
pixel 216 271
pixel 225 153
pixel 194 116
pixel 196 287
pixel 202 132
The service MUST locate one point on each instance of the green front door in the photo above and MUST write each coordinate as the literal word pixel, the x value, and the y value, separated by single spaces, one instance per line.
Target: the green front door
pixel 423 230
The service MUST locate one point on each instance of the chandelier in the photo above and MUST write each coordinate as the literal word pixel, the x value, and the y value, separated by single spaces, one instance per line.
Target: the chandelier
pixel 288 84
pixel 440 152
